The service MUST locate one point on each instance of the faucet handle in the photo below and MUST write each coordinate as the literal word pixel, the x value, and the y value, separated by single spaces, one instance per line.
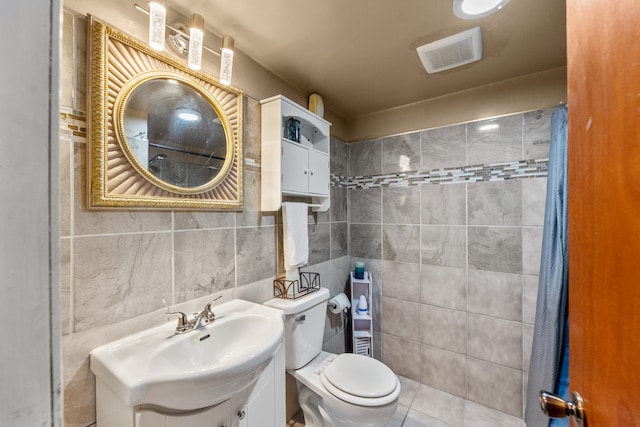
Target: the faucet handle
pixel 207 312
pixel 183 322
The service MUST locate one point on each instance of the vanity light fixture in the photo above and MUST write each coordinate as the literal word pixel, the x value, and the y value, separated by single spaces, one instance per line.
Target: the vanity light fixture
pixel 157 23
pixel 226 60
pixel 474 9
pixel 196 35
pixel 188 41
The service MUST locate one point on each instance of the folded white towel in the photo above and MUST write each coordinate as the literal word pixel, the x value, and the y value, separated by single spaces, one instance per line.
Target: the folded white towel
pixel 295 237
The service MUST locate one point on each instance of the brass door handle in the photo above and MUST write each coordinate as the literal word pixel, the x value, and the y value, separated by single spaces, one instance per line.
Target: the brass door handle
pixel 554 406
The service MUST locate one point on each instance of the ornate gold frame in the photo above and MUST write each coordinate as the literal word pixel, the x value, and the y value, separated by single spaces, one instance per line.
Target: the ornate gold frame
pixel 117 64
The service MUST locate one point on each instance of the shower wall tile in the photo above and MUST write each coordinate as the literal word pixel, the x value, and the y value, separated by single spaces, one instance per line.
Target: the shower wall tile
pixel 444 287
pixel 401 281
pixel 495 203
pixel 339 240
pixel 495 249
pixel 495 340
pixel 401 243
pixel 495 294
pixel 444 245
pixel 531 250
pixel 401 153
pixel 319 243
pixel 401 205
pixel 502 144
pixel 338 204
pixel 365 206
pixel 527 342
pixel 495 386
pixel 444 370
pixel 444 328
pixel 529 299
pixel 365 158
pixel 365 241
pixel 255 254
pixel 534 193
pixel 537 133
pixel 399 318
pixel 137 269
pixel 402 356
pixel 444 147
pixel 203 265
pixel 444 204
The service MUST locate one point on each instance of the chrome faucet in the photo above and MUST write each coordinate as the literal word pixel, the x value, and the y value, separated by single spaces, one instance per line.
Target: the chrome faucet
pixel 199 320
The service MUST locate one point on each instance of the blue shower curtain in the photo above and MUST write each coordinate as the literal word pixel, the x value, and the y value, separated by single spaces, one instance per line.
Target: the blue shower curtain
pixel 548 369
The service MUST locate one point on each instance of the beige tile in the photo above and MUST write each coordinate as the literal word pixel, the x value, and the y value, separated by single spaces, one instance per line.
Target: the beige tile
pixel 401 243
pixel 444 328
pixel 531 250
pixel 534 194
pixel 495 386
pixel 444 370
pixel 442 406
pixel 529 299
pixel 495 202
pixel 401 280
pixel 495 294
pixel 480 416
pixel 495 340
pixel 444 286
pixel 402 356
pixel 204 262
pixel 119 277
pixel 401 318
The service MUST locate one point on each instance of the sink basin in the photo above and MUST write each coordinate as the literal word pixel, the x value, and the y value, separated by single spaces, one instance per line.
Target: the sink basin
pixel 195 369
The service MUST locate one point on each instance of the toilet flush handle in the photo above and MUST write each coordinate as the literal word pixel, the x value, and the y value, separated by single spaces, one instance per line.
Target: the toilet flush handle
pixel 301 318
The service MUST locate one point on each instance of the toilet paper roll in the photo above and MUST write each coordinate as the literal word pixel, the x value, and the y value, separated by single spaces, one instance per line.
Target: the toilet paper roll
pixel 339 303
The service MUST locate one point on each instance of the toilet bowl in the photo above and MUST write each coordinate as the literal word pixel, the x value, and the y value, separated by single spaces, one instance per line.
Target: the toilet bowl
pixel 333 390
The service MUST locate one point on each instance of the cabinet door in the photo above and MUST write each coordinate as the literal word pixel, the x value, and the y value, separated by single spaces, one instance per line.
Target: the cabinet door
pixel 295 170
pixel 217 416
pixel 318 173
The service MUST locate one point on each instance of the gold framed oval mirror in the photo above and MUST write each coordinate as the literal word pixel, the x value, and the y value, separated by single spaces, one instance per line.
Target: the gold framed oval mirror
pixel 173 132
pixel 161 135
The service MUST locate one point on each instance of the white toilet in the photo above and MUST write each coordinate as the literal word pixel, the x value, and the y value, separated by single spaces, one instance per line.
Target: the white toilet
pixel 333 390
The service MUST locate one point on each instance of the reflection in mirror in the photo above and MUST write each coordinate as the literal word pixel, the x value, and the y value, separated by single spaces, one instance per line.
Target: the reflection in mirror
pixel 174 132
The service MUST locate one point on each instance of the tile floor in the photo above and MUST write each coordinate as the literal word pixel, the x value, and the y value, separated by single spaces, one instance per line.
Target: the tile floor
pixel 424 406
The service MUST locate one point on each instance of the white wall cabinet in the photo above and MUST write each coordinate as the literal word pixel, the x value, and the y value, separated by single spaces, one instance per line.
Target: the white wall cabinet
pixel 289 167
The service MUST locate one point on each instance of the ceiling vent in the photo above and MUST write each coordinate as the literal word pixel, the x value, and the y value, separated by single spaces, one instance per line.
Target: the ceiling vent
pixel 453 51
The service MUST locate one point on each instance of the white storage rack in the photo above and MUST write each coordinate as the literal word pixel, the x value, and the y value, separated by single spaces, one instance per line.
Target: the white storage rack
pixel 362 324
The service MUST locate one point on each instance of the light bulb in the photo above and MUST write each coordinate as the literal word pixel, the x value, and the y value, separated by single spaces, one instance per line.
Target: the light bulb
pixel 196 36
pixel 226 60
pixel 157 18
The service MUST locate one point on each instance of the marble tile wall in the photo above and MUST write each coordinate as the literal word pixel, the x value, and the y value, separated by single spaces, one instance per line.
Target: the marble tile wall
pixel 455 261
pixel 121 269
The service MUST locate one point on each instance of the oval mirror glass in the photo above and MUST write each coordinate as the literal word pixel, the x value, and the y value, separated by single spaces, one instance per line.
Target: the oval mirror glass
pixel 174 133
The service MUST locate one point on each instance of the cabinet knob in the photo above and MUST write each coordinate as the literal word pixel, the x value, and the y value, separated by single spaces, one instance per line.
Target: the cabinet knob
pixel 311 172
pixel 241 414
pixel 305 171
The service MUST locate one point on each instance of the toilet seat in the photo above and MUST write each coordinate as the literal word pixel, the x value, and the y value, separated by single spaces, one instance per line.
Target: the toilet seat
pixel 360 380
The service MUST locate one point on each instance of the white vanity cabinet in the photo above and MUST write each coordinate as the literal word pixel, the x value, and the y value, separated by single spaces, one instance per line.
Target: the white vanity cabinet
pixel 293 168
pixel 261 405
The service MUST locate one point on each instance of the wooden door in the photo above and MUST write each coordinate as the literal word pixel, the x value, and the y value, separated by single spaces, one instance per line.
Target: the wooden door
pixel 603 39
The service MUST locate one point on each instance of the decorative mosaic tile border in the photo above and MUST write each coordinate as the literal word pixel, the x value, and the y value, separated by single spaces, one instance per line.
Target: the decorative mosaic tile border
pixel 475 173
pixel 73 125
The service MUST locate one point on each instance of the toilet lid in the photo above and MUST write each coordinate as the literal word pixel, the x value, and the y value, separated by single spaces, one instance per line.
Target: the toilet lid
pixel 361 376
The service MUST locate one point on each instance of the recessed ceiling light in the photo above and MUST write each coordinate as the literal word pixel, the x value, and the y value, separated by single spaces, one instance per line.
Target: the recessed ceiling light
pixel 474 9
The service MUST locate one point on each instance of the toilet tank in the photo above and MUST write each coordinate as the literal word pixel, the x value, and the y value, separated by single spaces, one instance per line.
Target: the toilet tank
pixel 303 326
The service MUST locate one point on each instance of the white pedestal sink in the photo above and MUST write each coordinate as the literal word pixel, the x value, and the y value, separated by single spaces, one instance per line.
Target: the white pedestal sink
pixel 177 373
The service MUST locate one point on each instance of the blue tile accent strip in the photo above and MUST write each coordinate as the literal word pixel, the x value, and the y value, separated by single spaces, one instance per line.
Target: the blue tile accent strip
pixel 474 173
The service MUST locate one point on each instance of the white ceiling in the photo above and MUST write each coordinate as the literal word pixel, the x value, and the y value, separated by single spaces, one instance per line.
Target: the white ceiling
pixel 360 54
